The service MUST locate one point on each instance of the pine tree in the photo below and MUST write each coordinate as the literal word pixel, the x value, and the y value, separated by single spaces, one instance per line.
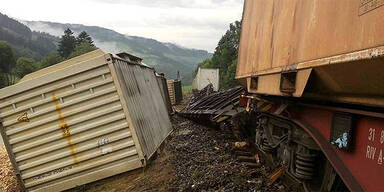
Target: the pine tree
pixel 67 43
pixel 82 48
pixel 84 37
pixel 24 66
pixel 50 59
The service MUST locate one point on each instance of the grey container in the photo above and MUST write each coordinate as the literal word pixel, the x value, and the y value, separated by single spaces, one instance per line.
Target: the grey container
pixel 164 92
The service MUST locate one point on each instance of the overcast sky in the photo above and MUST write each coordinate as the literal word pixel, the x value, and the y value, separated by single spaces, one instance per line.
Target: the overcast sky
pixel 189 23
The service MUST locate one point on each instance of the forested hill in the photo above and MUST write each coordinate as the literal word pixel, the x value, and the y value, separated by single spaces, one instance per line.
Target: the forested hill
pixel 165 57
pixel 25 42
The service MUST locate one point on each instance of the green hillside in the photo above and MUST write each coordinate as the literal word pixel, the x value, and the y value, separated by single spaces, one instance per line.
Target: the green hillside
pixel 165 57
pixel 25 42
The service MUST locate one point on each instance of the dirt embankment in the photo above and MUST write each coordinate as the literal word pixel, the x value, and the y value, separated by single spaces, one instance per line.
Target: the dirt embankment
pixel 8 182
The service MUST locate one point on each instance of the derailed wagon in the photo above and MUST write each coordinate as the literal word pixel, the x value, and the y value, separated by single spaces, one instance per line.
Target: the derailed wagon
pixel 318 66
pixel 82 120
pixel 314 76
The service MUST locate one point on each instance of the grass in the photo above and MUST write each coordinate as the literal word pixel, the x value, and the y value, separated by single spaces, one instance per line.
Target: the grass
pixel 187 89
pixel 196 175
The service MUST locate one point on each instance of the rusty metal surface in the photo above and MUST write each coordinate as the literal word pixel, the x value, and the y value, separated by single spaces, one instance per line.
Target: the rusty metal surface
pixel 355 82
pixel 339 40
pixel 283 33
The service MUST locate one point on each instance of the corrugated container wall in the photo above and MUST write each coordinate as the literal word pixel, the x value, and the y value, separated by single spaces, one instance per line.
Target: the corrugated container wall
pixel 205 77
pixel 175 91
pixel 164 92
pixel 178 91
pixel 146 107
pixel 328 49
pixel 82 120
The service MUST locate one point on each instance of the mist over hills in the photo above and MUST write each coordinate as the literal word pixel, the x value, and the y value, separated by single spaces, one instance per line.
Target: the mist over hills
pixel 35 39
pixel 24 41
pixel 167 58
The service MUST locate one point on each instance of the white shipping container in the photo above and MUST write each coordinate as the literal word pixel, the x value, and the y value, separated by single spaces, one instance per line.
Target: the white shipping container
pixel 82 120
pixel 205 77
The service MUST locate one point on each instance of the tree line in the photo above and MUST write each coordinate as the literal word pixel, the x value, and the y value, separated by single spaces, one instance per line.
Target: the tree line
pixel 225 56
pixel 25 42
pixel 12 69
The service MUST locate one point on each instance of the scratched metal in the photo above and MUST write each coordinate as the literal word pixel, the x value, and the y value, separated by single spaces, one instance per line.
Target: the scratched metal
pixel 341 42
pixel 146 106
pixel 68 127
pixel 276 33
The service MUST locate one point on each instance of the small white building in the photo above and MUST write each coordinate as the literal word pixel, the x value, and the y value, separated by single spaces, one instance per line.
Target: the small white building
pixel 205 77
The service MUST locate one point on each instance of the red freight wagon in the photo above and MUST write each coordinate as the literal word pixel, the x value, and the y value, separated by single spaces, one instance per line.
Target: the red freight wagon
pixel 314 73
